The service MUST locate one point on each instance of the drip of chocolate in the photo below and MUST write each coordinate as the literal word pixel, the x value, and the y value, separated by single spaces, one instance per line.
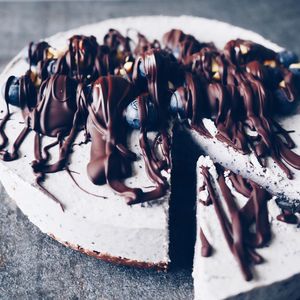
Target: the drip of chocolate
pixel 56 111
pixel 143 45
pixel 27 101
pixel 85 60
pixel 236 226
pixel 110 157
pixel 37 52
pixel 206 248
pixel 159 69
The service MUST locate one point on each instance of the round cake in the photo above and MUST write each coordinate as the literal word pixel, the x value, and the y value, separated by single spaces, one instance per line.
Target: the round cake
pixel 92 126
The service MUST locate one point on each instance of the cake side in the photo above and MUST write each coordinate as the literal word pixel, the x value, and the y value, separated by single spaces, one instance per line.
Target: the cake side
pixel 219 276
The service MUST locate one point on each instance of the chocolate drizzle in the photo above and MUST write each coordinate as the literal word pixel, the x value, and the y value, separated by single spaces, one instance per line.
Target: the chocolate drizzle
pixel 234 87
pixel 236 225
pixel 110 156
pixel 56 111
pixel 182 45
pixel 239 93
pixel 37 52
pixel 206 248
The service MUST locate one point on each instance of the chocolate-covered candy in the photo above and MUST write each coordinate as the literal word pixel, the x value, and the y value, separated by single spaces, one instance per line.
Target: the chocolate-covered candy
pixel 37 52
pixel 133 119
pixel 12 91
pixel 20 92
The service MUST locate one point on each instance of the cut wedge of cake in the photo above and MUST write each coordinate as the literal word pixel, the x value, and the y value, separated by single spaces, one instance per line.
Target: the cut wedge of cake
pixel 225 257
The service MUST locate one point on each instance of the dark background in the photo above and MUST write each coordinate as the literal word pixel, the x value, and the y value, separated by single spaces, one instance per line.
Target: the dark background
pixel 32 266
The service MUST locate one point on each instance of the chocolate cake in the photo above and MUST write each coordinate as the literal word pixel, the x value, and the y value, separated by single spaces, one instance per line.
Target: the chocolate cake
pixel 89 123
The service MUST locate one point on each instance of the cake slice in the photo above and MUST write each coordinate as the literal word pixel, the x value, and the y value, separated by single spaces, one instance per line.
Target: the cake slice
pixel 242 250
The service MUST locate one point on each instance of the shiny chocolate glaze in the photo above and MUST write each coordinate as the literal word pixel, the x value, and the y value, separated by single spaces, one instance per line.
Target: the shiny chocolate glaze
pixel 182 45
pixel 110 157
pixel 85 60
pixel 56 111
pixel 37 52
pixel 239 95
pixel 235 225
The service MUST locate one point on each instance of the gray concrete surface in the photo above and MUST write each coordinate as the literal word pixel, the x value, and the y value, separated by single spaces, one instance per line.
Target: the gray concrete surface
pixel 32 266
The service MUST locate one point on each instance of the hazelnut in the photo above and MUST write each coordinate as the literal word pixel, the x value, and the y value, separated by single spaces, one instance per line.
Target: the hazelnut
pixel 244 49
pixel 217 76
pixel 128 66
pixel 282 84
pixel 270 63
pixel 214 66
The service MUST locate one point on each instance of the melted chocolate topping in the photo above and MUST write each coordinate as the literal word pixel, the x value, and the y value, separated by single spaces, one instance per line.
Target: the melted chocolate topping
pixel 182 44
pixel 287 217
pixel 37 52
pixel 236 225
pixel 110 156
pixel 234 87
pixel 143 45
pixel 85 60
pixel 206 248
pixel 239 94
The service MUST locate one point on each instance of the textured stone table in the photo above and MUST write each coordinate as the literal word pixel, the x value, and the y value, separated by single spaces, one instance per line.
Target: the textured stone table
pixel 33 266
